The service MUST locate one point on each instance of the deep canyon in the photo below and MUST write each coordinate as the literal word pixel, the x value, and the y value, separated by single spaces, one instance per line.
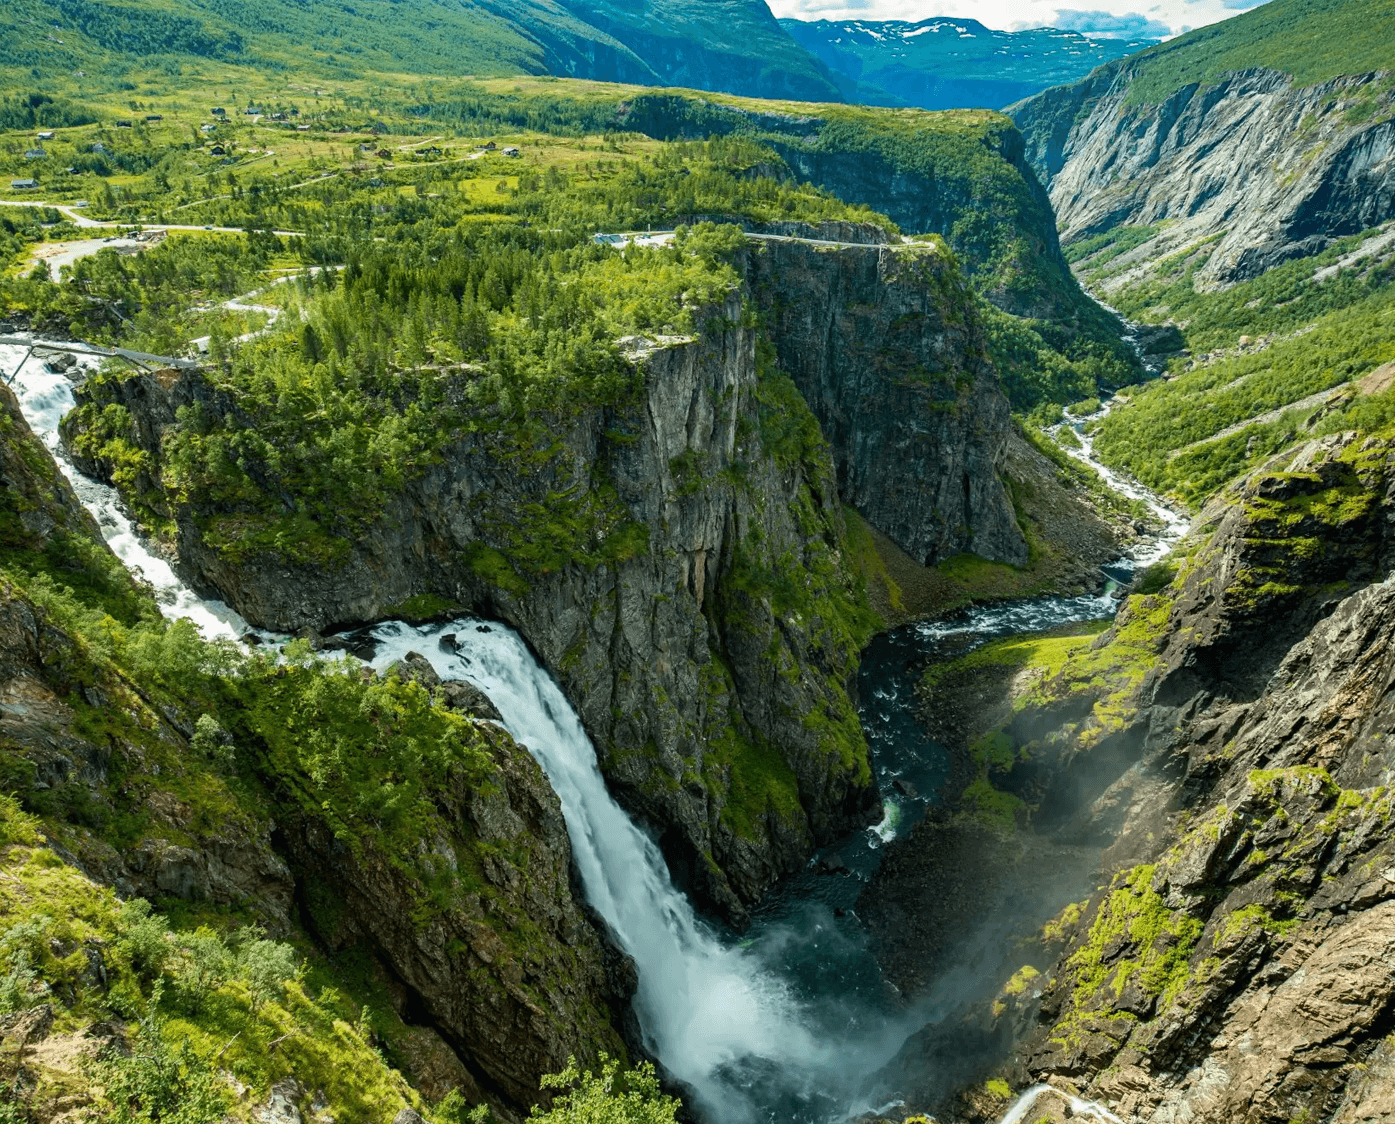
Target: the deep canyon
pixel 612 577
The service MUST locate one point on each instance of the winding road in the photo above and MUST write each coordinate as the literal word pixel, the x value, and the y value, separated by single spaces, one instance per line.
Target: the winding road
pixel 59 254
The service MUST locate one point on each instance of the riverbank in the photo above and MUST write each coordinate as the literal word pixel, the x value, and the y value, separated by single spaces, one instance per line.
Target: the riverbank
pixel 1074 523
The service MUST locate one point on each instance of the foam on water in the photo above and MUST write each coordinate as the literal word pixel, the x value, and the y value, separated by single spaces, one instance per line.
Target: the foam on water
pixel 1174 524
pixel 44 398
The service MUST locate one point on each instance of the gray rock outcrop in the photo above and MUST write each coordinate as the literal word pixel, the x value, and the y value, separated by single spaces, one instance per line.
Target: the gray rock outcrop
pixel 1232 963
pixel 1271 170
pixel 882 346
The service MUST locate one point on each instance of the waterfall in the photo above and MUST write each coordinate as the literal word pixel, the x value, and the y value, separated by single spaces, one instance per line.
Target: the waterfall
pixel 1081 1109
pixel 44 398
pixel 716 1017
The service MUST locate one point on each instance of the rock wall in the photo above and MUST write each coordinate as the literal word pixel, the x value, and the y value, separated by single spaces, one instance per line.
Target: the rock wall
pixel 884 347
pixel 518 975
pixel 1234 963
pixel 713 665
pixel 1272 170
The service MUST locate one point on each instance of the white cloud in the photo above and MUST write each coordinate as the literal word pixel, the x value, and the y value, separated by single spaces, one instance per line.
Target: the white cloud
pixel 1015 15
pixel 1108 25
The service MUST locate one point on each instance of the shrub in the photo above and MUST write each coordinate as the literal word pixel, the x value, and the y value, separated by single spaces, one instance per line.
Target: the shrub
pixel 159 1082
pixel 612 1097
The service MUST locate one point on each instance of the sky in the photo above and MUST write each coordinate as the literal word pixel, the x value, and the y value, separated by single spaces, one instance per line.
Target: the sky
pixel 1126 19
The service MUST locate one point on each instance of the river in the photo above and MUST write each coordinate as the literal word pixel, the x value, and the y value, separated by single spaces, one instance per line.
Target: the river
pixel 789 1023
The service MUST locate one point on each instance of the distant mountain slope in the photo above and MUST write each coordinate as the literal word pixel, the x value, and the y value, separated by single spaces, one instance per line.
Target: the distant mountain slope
pixel 730 45
pixel 945 63
pixel 1251 142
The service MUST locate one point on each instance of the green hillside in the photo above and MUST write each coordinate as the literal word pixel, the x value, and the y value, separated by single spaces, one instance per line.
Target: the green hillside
pixel 731 45
pixel 1313 40
pixel 99 45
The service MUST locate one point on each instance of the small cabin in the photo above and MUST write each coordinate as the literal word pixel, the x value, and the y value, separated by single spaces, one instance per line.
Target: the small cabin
pixel 154 117
pixel 207 128
pixel 302 128
pixel 23 185
pixel 384 154
pixel 217 150
pixel 511 151
pixel 35 154
pixel 46 136
pixel 218 111
pixel 123 124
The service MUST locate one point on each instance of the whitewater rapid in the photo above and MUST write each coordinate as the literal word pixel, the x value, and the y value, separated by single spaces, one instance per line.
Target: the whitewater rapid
pixel 44 398
pixel 1174 524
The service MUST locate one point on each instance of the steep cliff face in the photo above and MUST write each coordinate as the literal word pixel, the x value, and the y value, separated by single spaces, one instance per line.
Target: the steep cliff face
pixel 679 562
pixel 883 345
pixel 1270 169
pixel 513 975
pixel 1230 735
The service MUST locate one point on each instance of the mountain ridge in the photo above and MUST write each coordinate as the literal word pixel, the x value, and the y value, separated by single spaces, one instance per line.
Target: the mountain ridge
pixel 730 45
pixel 1255 134
pixel 900 62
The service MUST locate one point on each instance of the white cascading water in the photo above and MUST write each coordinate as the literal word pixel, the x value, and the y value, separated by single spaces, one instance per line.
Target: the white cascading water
pixel 1088 1110
pixel 715 1015
pixel 708 1008
pixel 44 398
pixel 1174 525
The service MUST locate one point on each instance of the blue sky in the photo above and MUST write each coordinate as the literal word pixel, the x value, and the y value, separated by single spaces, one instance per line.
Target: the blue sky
pixel 1132 19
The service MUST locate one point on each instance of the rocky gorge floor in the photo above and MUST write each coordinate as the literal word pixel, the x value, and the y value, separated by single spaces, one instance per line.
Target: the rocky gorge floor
pixel 1224 747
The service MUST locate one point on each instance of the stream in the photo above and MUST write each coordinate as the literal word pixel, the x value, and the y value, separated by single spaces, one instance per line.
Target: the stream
pixel 791 1022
